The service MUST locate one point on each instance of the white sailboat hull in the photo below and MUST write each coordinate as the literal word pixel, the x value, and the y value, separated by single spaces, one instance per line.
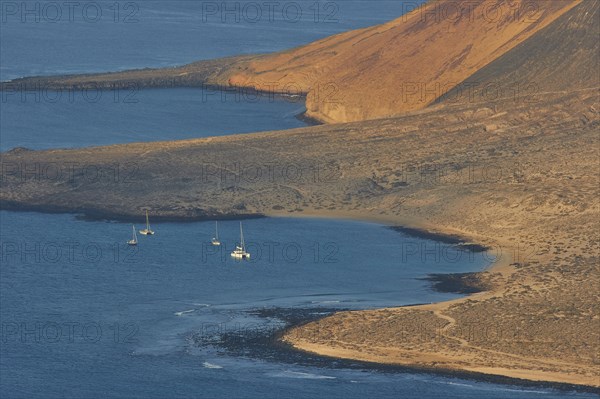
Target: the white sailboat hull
pixel 147 231
pixel 240 251
pixel 215 241
pixel 133 240
pixel 240 255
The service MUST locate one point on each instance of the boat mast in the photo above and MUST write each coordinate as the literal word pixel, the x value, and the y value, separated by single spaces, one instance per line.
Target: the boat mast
pixel 147 221
pixel 216 230
pixel 242 238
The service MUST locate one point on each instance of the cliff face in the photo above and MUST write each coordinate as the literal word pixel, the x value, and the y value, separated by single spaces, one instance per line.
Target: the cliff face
pixel 403 65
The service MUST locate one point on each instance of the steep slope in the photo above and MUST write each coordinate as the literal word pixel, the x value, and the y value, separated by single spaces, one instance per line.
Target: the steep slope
pixel 381 71
pixel 402 65
pixel 564 56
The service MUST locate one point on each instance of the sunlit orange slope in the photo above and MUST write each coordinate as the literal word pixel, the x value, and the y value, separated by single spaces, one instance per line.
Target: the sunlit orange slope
pixel 405 64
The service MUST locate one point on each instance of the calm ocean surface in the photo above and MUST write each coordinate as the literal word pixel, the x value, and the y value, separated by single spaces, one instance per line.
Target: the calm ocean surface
pixel 152 115
pixel 84 316
pixel 47 38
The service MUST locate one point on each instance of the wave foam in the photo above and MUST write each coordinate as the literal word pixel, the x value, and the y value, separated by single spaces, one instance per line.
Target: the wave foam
pixel 184 312
pixel 309 376
pixel 208 365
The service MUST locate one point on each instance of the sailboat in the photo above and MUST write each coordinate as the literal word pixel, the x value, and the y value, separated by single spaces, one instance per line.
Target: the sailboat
pixel 215 241
pixel 240 250
pixel 147 231
pixel 133 240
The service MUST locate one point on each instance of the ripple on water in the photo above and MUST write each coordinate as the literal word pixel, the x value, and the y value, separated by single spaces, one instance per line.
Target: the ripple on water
pixel 301 375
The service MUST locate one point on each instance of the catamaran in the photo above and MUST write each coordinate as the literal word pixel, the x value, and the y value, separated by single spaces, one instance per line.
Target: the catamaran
pixel 147 231
pixel 215 241
pixel 133 240
pixel 240 250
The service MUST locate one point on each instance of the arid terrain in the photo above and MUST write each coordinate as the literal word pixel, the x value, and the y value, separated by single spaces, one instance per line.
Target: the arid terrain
pixel 517 172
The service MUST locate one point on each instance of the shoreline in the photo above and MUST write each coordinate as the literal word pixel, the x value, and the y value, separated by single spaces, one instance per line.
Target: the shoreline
pixel 270 346
pixel 420 228
pixel 94 215
pixel 401 223
pixel 503 213
pixel 502 265
pixel 501 175
pixel 441 282
pixel 451 239
pixel 211 74
pixel 456 283
pixel 462 374
pixel 282 342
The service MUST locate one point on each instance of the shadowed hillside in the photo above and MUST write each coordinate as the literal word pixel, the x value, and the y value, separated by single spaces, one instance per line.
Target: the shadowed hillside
pixel 381 71
pixel 402 65
pixel 564 56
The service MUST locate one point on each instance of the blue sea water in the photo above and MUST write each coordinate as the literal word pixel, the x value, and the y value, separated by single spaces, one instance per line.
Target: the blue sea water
pixel 48 38
pixel 74 119
pixel 83 315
